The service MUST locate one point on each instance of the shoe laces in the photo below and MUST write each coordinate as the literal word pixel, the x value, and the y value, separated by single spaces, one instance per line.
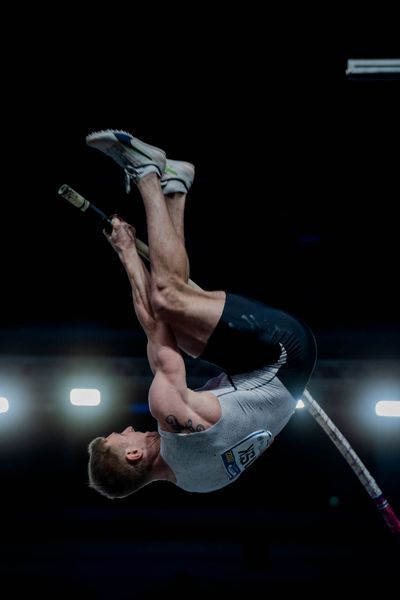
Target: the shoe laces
pixel 130 175
pixel 129 171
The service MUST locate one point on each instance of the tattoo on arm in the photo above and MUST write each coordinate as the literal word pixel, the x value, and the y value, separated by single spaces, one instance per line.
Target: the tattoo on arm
pixel 179 427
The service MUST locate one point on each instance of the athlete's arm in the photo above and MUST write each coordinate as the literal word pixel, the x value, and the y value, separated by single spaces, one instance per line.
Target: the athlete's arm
pixel 123 240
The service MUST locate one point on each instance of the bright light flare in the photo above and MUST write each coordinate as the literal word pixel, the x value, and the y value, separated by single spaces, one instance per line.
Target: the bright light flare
pixel 4 404
pixel 388 408
pixel 85 397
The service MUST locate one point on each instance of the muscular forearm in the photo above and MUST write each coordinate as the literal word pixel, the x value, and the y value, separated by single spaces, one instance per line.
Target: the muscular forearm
pixel 123 240
pixel 161 341
pixel 162 347
pixel 139 278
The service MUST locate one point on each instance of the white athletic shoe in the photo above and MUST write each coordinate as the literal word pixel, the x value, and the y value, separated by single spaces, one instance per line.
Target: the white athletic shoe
pixel 134 156
pixel 177 177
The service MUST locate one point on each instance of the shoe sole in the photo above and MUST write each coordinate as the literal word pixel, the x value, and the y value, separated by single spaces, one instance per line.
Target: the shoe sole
pixel 108 138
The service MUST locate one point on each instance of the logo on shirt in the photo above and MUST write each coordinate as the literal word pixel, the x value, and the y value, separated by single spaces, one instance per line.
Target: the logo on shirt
pixel 245 452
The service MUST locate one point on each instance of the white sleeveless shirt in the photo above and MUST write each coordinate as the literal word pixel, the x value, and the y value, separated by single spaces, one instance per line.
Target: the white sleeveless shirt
pixel 254 409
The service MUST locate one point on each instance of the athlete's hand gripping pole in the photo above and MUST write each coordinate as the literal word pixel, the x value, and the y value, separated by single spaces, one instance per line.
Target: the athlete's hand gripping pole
pixel 103 220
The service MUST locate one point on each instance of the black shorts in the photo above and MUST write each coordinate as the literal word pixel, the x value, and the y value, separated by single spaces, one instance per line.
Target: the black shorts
pixel 251 335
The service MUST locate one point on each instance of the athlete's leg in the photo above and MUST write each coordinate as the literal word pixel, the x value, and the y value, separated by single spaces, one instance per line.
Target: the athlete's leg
pixel 176 208
pixel 168 256
pixel 176 181
pixel 192 314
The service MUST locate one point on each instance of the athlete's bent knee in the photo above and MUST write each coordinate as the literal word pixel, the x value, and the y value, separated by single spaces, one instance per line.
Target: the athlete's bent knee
pixel 167 299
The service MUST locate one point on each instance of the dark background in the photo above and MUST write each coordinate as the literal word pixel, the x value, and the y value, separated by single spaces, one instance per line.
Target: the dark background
pixel 294 202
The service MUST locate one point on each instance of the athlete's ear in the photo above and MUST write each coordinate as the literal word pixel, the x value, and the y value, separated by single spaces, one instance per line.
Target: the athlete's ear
pixel 133 454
